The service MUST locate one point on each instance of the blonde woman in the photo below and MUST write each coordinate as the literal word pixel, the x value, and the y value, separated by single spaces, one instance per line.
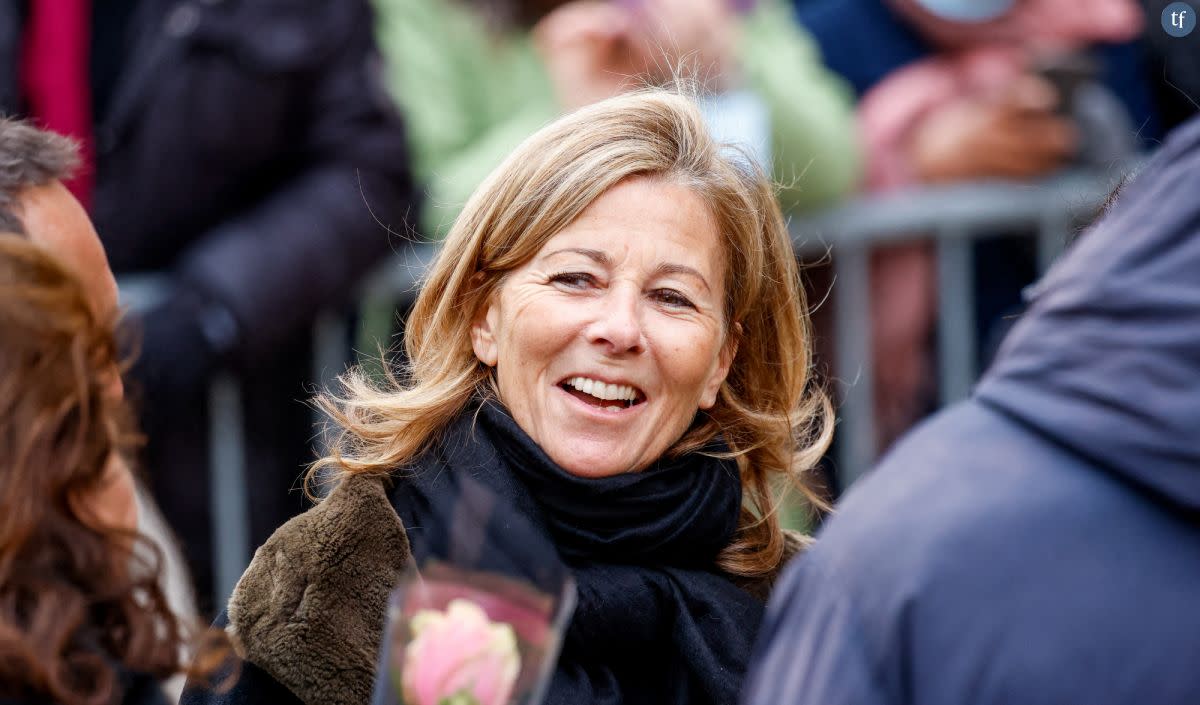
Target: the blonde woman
pixel 614 339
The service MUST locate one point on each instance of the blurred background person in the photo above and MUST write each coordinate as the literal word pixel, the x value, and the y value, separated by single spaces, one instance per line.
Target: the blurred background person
pixel 83 615
pixel 475 77
pixel 231 145
pixel 1036 543
pixel 968 90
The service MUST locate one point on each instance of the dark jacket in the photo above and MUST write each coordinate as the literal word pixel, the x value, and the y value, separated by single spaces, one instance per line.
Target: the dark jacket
pixel 307 617
pixel 1174 64
pixel 249 150
pixel 1038 543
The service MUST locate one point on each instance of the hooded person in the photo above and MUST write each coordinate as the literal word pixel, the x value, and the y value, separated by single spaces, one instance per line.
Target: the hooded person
pixel 1037 543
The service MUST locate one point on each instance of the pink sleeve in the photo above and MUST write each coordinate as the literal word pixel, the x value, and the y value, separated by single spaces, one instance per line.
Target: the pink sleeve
pixel 889 111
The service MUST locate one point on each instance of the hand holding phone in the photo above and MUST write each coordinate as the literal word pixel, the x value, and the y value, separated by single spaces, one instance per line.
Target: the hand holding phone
pixel 1015 133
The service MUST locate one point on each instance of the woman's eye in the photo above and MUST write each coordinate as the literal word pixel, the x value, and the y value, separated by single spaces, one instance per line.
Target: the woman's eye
pixel 673 298
pixel 577 280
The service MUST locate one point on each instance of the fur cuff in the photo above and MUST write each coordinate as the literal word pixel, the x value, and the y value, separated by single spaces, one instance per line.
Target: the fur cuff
pixel 310 610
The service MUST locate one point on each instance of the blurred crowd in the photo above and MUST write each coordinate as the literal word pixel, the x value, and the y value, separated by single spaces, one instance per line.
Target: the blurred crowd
pixel 269 155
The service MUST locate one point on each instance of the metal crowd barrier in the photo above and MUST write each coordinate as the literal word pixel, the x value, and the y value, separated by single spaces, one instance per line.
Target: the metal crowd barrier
pixel 953 216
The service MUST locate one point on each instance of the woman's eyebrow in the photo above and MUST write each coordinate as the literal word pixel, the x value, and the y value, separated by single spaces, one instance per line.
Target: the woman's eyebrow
pixel 595 255
pixel 668 268
pixel 664 269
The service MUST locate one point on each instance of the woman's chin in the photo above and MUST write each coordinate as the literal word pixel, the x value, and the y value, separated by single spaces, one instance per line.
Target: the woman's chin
pixel 593 465
pixel 589 457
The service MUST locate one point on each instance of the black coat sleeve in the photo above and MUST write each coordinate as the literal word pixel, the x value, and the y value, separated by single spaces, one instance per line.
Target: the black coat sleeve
pixel 238 682
pixel 812 649
pixel 304 245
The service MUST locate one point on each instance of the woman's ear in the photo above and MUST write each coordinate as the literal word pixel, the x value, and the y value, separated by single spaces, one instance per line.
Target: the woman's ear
pixel 483 333
pixel 724 361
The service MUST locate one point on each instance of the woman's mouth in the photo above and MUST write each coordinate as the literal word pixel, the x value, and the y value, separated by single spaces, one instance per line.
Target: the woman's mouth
pixel 610 397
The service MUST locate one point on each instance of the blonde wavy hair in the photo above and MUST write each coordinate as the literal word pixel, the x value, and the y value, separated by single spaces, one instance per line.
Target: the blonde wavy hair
pixel 775 420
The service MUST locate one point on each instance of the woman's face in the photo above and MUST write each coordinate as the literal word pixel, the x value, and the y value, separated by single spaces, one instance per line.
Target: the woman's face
pixel 611 338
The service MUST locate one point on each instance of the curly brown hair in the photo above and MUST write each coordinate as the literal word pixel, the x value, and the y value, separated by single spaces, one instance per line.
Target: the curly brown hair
pixel 79 605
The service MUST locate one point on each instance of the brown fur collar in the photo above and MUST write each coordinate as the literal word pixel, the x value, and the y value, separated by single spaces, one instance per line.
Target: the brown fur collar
pixel 310 610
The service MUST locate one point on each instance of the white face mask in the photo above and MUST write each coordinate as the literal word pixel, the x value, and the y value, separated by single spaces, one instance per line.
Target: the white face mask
pixel 966 10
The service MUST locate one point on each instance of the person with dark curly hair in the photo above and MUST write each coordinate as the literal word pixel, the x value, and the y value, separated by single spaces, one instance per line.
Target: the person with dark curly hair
pixel 249 154
pixel 83 617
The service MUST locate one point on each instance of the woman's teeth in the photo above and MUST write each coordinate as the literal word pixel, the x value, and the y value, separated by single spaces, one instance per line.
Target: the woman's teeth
pixel 601 390
pixel 595 392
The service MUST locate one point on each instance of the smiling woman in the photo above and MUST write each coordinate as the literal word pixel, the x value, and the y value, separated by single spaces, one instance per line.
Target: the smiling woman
pixel 617 306
pixel 623 188
pixel 614 340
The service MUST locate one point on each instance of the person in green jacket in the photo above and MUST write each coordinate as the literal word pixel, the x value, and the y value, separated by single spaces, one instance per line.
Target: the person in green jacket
pixel 475 79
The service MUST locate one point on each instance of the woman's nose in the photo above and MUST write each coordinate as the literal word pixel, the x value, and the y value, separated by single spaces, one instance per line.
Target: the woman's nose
pixel 618 325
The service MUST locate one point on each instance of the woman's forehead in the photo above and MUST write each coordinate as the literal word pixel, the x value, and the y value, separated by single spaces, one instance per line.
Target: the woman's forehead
pixel 644 218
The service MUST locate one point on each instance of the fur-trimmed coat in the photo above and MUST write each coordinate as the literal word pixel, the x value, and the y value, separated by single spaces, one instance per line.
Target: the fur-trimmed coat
pixel 308 615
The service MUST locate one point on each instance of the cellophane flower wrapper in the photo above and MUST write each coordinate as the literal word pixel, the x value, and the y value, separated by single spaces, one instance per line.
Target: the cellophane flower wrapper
pixel 479 619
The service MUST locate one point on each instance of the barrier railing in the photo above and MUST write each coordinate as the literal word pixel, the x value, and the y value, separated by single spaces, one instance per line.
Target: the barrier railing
pixel 953 216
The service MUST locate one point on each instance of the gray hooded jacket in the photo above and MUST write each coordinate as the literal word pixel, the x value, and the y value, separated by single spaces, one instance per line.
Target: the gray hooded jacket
pixel 1039 543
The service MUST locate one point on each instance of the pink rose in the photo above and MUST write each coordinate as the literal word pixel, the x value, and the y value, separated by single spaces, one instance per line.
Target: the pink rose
pixel 459 656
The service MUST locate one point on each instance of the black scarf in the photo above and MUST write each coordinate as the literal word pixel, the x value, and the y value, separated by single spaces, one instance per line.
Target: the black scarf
pixel 656 621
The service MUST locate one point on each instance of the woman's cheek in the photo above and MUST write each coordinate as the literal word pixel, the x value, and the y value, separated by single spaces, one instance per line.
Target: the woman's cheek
pixel 114 503
pixel 691 348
